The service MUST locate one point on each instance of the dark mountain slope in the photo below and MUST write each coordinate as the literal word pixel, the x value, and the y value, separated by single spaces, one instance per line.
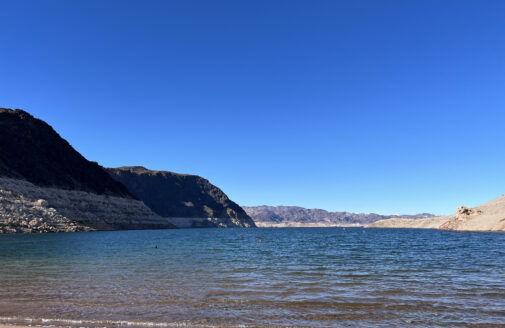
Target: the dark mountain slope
pixel 31 150
pixel 181 196
pixel 47 186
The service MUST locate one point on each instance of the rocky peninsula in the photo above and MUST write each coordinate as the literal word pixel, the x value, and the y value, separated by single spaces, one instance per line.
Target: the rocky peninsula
pixel 486 217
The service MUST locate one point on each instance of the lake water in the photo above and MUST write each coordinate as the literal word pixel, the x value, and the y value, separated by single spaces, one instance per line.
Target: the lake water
pixel 303 277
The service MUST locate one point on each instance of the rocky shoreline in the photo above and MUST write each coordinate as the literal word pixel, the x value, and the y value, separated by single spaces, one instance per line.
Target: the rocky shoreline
pixel 26 208
pixel 486 217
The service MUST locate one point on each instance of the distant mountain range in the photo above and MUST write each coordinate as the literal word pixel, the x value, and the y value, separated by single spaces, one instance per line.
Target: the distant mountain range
pixel 294 216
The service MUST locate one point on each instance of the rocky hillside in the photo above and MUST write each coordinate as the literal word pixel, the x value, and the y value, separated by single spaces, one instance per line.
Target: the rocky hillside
pixel 27 208
pixel 47 186
pixel 31 150
pixel 188 200
pixel 293 216
pixel 487 217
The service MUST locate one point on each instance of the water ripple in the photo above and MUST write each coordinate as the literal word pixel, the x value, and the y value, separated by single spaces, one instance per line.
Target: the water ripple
pixel 317 277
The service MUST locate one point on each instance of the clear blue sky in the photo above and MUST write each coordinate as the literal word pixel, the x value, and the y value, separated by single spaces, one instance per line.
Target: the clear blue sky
pixel 364 106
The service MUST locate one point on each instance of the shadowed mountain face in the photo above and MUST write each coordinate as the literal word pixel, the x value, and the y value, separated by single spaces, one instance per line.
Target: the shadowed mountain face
pixel 47 186
pixel 181 196
pixel 31 150
pixel 299 216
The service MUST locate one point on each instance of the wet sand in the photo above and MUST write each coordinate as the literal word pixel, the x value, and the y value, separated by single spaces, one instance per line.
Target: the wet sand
pixel 16 326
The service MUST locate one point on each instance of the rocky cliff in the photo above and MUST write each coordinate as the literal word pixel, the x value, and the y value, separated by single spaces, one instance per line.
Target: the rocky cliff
pixel 188 200
pixel 31 150
pixel 294 216
pixel 487 217
pixel 47 186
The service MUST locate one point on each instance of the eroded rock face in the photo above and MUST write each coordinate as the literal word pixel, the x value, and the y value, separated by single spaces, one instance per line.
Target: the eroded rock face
pixel 464 210
pixel 47 186
pixel 189 200
pixel 464 215
pixel 26 208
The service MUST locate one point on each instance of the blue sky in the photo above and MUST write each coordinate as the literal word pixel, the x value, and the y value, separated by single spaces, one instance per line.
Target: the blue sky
pixel 364 106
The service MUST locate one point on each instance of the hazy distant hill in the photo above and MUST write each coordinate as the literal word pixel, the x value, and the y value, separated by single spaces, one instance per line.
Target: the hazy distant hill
pixel 188 200
pixel 280 216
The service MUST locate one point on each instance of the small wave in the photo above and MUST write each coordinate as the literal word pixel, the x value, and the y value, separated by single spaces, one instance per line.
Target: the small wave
pixel 51 322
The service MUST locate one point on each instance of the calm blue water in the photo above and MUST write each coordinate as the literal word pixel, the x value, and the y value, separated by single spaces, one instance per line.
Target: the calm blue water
pixel 322 277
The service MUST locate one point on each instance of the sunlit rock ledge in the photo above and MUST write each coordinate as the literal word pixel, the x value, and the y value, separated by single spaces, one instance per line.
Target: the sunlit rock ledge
pixel 420 223
pixel 305 225
pixel 487 217
pixel 27 208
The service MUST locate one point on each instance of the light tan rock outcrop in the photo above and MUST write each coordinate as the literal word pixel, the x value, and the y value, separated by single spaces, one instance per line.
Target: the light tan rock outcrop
pixel 26 208
pixel 486 217
pixel 421 223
